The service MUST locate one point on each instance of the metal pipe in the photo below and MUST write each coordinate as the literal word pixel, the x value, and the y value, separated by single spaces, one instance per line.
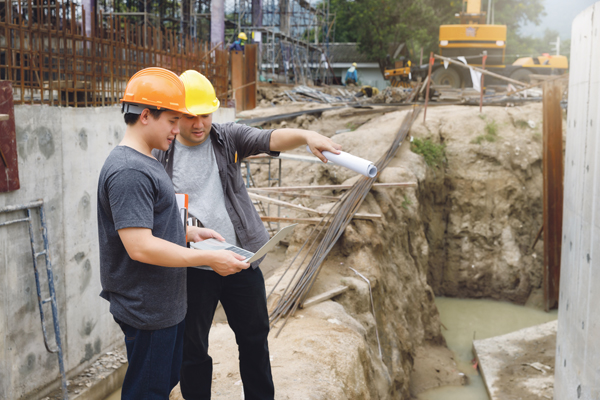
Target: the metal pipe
pixel 33 204
pixel 52 299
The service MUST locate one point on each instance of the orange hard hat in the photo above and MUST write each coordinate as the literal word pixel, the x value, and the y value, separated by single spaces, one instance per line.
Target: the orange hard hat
pixel 157 88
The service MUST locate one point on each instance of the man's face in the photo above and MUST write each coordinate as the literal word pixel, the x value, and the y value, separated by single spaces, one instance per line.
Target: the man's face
pixel 164 129
pixel 194 130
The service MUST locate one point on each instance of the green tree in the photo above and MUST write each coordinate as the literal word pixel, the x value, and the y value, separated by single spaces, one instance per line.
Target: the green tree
pixel 378 23
pixel 344 31
pixel 375 24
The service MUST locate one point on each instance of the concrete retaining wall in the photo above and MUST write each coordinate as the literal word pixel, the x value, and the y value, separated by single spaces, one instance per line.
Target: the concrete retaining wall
pixel 61 151
pixel 577 367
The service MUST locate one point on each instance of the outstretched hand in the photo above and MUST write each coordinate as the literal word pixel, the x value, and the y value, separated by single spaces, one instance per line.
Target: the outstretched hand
pixel 319 143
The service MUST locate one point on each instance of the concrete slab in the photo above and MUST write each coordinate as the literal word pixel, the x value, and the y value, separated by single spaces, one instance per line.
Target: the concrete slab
pixel 519 365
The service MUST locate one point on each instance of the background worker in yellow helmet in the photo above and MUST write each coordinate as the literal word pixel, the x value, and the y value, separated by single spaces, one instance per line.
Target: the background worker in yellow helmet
pixel 204 161
pixel 239 43
pixel 351 75
pixel 142 240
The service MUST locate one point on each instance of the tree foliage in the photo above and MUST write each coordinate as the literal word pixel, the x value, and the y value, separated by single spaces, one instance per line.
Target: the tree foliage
pixel 375 24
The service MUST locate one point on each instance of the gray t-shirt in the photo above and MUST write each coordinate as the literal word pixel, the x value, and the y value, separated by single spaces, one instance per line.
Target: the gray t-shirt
pixel 195 172
pixel 134 191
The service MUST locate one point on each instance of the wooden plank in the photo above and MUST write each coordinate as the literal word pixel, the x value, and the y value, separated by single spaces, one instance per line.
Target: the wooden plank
pixel 324 296
pixel 292 220
pixel 380 110
pixel 540 83
pixel 294 194
pixel 552 161
pixel 9 166
pixel 309 210
pixel 332 187
pixel 237 79
pixel 484 72
pixel 251 76
pixel 282 203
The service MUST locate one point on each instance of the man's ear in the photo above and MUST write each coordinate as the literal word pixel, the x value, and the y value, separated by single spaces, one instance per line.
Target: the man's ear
pixel 144 116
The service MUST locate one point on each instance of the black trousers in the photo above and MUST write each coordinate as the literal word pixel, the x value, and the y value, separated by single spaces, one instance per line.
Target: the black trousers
pixel 244 300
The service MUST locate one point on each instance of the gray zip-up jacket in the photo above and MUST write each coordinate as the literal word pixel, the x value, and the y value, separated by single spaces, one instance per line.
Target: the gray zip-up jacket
pixel 227 139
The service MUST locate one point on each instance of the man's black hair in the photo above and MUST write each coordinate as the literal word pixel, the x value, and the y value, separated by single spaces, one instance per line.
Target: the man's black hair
pixel 131 119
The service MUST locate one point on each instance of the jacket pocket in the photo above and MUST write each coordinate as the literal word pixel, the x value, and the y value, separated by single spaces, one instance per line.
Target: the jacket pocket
pixel 234 177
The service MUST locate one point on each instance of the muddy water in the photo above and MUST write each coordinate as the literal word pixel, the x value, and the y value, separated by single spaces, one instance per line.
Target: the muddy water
pixel 466 319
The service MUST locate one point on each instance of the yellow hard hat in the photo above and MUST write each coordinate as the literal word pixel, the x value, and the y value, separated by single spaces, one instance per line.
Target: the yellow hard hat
pixel 200 97
pixel 242 36
pixel 354 64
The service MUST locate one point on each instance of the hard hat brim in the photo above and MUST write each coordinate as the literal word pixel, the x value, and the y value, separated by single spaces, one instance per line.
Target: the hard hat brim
pixel 204 110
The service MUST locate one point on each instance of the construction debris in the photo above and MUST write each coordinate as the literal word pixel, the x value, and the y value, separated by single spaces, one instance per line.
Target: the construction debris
pixel 392 95
pixel 103 377
pixel 339 217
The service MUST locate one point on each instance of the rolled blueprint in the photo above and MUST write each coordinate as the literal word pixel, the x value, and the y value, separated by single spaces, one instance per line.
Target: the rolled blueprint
pixel 356 164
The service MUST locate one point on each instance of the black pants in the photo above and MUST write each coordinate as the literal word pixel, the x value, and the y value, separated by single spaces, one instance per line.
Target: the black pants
pixel 154 359
pixel 244 300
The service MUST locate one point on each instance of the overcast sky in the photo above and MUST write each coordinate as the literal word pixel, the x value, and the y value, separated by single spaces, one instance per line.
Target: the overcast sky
pixel 560 15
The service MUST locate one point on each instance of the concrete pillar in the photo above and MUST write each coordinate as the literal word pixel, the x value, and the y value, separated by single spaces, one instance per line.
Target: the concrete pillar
pixel 257 13
pixel 89 6
pixel 217 22
pixel 577 369
pixel 284 16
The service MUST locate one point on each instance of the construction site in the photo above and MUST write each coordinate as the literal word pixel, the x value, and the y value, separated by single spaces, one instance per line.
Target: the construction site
pixel 462 270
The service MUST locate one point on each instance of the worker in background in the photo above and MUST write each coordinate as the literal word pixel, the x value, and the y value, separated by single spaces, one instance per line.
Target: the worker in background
pixel 204 161
pixel 142 238
pixel 351 75
pixel 368 91
pixel 240 43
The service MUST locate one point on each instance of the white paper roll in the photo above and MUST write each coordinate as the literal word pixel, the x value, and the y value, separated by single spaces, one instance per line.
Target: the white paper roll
pixel 356 164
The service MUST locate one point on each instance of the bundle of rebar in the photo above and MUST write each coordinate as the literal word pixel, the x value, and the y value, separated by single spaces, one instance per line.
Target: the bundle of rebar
pixel 324 236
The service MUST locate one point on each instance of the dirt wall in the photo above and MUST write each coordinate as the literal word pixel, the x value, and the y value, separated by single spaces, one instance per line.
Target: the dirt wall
pixel 483 206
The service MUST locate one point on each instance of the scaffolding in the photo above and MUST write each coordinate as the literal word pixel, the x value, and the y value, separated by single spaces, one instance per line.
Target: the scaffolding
pixel 189 17
pixel 293 34
pixel 59 53
pixel 293 37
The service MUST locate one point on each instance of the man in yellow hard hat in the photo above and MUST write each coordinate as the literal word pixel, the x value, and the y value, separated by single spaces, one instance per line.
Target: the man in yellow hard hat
pixel 239 43
pixel 142 239
pixel 204 161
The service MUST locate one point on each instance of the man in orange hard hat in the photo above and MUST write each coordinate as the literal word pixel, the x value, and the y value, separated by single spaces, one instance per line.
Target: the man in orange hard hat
pixel 142 238
pixel 204 161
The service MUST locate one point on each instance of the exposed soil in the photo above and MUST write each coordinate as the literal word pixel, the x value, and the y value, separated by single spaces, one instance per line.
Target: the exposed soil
pixel 434 367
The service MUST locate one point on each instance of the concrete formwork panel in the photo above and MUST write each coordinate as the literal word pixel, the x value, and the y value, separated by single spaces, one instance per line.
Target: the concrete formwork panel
pixel 577 367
